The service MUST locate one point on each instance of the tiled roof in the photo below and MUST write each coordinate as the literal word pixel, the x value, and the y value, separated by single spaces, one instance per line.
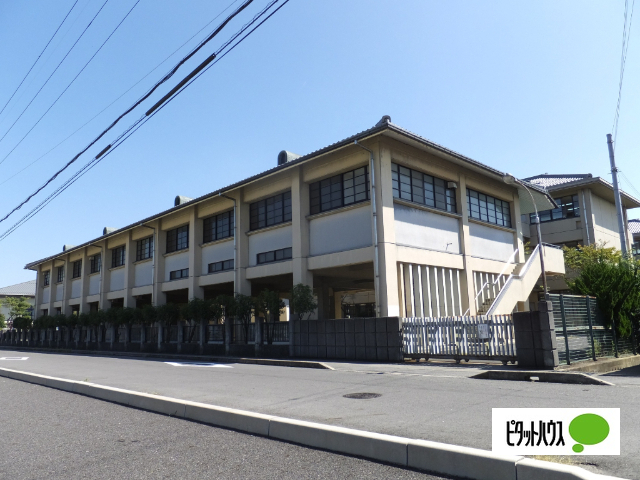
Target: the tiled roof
pixel 634 226
pixel 546 181
pixel 27 289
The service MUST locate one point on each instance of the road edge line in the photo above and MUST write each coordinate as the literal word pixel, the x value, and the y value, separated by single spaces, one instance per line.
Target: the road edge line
pixel 433 457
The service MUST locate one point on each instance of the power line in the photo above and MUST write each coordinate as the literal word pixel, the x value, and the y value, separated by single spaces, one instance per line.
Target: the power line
pixel 626 179
pixel 52 73
pixel 120 96
pixel 626 34
pixel 133 128
pixel 37 59
pixel 70 83
pixel 138 102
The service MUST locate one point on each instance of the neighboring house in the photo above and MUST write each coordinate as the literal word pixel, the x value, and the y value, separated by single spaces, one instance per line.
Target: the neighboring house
pixel 634 230
pixel 586 214
pixel 440 238
pixel 25 289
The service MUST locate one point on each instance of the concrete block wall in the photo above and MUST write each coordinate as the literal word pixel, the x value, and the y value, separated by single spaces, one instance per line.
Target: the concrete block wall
pixel 536 344
pixel 367 339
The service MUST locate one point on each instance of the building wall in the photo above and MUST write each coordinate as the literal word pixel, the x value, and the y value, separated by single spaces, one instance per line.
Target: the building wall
pixel 216 253
pixel 142 274
pixel 423 229
pixel 268 240
pixel 175 261
pixel 117 279
pixel 340 231
pixel 491 243
pixel 605 221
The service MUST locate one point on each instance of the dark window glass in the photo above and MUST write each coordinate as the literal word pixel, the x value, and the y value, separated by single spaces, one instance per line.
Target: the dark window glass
pixel 77 269
pixel 60 274
pixel 144 248
pixel 178 239
pixel 178 274
pixel 95 263
pixel 340 190
pixel 568 207
pixel 218 227
pixel 47 278
pixel 221 266
pixel 117 257
pixel 275 255
pixel 414 186
pixel 635 249
pixel 271 211
pixel 488 209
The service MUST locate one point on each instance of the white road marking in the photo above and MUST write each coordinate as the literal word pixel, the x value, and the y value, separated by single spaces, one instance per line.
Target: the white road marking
pixel 197 364
pixel 14 358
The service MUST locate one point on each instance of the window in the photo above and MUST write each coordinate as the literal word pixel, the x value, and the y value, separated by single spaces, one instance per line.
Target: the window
pixel 421 188
pixel 46 278
pixel 178 239
pixel 488 209
pixel 275 256
pixel 77 269
pixel 635 249
pixel 178 274
pixel 60 274
pixel 339 190
pixel 567 208
pixel 218 227
pixel 117 257
pixel 144 248
pixel 271 211
pixel 221 266
pixel 95 263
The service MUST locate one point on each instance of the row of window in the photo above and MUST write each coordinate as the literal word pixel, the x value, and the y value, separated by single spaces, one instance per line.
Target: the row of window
pixel 567 208
pixel 275 255
pixel 178 274
pixel 488 209
pixel 339 191
pixel 421 188
pixel 270 211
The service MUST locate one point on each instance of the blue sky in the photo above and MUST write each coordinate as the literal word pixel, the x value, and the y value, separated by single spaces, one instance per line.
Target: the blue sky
pixel 526 87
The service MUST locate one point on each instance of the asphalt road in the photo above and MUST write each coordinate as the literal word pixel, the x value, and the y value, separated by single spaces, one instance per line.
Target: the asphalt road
pixel 51 434
pixel 436 402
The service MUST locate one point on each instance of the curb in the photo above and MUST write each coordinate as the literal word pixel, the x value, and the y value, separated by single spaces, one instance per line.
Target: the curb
pixel 173 356
pixel 537 376
pixel 603 365
pixel 434 457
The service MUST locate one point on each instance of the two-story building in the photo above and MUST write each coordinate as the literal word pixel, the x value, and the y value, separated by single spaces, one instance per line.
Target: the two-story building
pixel 381 223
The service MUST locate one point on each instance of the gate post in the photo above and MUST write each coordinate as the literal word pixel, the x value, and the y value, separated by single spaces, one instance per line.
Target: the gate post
pixel 564 329
pixel 593 343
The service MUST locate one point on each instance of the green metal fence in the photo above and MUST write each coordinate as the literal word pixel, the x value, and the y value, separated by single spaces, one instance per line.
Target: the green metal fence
pixel 581 331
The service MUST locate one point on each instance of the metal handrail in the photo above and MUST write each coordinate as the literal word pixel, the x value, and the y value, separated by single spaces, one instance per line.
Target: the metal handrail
pixel 511 258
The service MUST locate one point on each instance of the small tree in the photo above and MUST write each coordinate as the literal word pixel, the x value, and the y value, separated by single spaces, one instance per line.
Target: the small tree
pixel 18 307
pixel 302 301
pixel 22 323
pixel 227 305
pixel 270 305
pixel 3 324
pixel 149 315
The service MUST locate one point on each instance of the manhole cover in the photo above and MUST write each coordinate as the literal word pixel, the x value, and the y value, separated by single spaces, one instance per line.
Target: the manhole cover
pixel 362 396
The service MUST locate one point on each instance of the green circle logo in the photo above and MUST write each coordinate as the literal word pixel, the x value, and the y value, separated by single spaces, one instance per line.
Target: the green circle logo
pixel 588 429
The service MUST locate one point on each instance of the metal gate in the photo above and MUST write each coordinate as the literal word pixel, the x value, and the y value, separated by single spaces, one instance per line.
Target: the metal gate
pixel 460 338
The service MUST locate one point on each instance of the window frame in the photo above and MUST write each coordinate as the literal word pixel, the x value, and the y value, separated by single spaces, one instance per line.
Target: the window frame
pixel 144 252
pixel 60 274
pixel 635 248
pixel 341 190
pixel 46 278
pixel 178 239
pixel 213 227
pixel 184 273
pixel 270 211
pixel 95 266
pixel 211 268
pixel 501 219
pixel 76 270
pixel 564 211
pixel 284 253
pixel 118 256
pixel 423 189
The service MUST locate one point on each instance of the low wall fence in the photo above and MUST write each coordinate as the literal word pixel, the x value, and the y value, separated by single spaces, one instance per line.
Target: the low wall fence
pixel 460 338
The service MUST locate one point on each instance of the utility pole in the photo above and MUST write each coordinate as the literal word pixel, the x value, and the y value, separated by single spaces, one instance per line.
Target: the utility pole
pixel 622 228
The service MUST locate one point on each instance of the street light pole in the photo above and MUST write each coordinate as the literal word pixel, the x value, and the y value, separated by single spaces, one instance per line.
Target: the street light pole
pixel 510 179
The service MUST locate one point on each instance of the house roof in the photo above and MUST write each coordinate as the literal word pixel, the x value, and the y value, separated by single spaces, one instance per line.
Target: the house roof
pixel 634 226
pixel 598 185
pixel 25 289
pixel 546 181
pixel 383 126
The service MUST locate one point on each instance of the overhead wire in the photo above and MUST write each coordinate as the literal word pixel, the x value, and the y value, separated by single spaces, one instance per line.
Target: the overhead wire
pixel 70 83
pixel 38 58
pixel 132 107
pixel 626 34
pixel 52 73
pixel 628 182
pixel 134 127
pixel 120 96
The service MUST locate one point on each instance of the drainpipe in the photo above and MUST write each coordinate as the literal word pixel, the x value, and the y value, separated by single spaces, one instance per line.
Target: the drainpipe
pixel 235 243
pixel 153 264
pixel 375 227
pixel 586 222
